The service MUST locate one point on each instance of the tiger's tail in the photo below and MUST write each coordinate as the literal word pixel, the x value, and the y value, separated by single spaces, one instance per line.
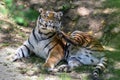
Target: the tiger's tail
pixel 101 66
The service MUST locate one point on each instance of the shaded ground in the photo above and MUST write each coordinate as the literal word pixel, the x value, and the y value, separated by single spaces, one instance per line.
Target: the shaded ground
pixel 84 15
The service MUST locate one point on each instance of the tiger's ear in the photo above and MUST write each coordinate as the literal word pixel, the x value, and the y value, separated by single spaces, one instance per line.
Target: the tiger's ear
pixel 41 10
pixel 60 14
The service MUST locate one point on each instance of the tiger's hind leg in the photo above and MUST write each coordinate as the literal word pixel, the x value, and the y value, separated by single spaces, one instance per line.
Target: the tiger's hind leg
pixel 21 52
pixel 100 67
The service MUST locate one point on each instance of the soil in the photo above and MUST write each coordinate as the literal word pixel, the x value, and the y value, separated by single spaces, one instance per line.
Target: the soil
pixel 8 70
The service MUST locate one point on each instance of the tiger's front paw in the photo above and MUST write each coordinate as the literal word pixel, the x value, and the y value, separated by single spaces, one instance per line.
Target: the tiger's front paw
pixel 60 33
pixel 12 58
pixel 15 58
pixel 50 68
pixel 64 68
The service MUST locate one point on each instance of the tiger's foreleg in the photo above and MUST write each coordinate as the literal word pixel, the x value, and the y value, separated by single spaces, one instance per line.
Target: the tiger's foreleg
pixel 50 64
pixel 100 67
pixel 21 52
pixel 53 59
pixel 68 38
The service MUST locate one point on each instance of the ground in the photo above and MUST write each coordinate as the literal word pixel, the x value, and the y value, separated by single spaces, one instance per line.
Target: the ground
pixel 7 70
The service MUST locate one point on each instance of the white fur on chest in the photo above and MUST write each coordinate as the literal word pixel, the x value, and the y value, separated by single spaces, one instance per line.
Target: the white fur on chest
pixel 41 50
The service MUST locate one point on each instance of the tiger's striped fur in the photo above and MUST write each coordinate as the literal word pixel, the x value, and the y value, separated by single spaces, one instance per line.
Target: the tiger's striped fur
pixel 43 40
pixel 83 49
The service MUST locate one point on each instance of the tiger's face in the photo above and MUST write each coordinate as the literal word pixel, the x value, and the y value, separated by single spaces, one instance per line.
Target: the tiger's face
pixel 49 21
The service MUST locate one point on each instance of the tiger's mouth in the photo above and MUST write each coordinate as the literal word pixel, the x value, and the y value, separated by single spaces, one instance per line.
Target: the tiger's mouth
pixel 47 30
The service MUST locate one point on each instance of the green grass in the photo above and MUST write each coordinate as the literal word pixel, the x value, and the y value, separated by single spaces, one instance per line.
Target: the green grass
pixel 112 3
pixel 65 76
pixel 112 23
pixel 42 77
pixel 114 59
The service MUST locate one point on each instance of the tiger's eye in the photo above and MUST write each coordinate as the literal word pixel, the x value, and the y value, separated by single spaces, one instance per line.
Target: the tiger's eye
pixel 44 15
pixel 50 21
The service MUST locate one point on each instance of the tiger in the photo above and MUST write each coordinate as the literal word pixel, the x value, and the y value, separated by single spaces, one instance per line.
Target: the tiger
pixel 43 40
pixel 49 42
pixel 83 49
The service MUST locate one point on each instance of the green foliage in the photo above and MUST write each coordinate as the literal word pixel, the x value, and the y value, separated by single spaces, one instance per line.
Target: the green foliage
pixel 65 7
pixel 9 3
pixel 21 14
pixel 3 10
pixel 19 20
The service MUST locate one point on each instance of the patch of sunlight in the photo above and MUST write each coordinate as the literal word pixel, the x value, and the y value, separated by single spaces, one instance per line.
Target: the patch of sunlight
pixel 82 11
pixel 38 1
pixel 105 11
pixel 50 77
pixel 109 48
pixel 80 76
pixel 84 76
pixel 116 30
pixel 90 32
pixel 117 65
pixel 32 78
pixel 108 76
pixel 109 10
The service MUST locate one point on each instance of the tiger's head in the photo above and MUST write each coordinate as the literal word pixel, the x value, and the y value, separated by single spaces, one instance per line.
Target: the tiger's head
pixel 49 21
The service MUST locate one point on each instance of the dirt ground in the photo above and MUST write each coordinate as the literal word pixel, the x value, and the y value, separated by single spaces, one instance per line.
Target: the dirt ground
pixel 8 70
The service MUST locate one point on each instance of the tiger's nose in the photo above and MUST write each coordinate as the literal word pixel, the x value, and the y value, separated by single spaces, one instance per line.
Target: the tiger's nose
pixel 45 25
